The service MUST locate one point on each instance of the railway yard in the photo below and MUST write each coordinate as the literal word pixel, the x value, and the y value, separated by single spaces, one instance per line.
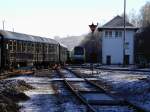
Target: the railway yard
pixel 77 89
pixel 52 63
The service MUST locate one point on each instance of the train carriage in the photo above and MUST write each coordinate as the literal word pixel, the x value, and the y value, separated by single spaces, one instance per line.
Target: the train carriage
pixel 26 50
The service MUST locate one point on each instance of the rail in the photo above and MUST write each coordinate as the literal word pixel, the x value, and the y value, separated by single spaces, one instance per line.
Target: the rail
pixel 77 94
pixel 126 102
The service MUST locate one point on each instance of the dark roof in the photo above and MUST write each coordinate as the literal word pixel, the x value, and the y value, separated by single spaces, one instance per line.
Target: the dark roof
pixel 117 23
pixel 25 37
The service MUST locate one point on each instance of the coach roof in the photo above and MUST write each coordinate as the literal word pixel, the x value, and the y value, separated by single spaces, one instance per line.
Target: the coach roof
pixel 25 37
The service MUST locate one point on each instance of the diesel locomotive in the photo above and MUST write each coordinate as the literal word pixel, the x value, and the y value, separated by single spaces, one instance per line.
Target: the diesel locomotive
pixel 78 55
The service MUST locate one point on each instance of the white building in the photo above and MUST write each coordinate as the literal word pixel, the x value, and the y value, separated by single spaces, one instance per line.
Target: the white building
pixel 113 40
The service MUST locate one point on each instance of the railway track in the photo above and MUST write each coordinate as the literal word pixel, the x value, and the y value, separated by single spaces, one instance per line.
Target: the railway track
pixel 96 90
pixel 77 94
pixel 114 69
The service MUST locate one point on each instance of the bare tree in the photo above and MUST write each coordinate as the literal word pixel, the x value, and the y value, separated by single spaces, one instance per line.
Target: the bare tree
pixel 145 14
pixel 135 18
pixel 93 46
pixel 141 19
pixel 142 36
pixel 126 16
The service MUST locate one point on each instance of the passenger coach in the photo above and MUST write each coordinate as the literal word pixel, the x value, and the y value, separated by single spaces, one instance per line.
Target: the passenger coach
pixel 18 49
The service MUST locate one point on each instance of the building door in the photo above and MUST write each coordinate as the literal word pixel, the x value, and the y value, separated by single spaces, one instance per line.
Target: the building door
pixel 126 59
pixel 93 57
pixel 108 60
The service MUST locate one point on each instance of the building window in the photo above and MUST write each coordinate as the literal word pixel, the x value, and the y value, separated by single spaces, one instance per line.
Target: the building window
pixel 108 33
pixel 118 34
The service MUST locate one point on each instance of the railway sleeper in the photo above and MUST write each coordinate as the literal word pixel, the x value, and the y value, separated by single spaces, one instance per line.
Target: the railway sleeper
pixel 90 91
pixel 104 103
pixel 77 94
pixel 112 94
pixel 101 98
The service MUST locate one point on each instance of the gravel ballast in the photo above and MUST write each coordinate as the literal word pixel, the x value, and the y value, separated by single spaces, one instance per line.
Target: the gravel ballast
pixel 11 92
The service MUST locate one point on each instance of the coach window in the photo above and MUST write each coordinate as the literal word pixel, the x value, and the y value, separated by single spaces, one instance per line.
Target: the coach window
pixel 55 49
pixel 40 48
pixel 28 47
pixel 37 48
pixel 14 45
pixel 45 48
pixel 10 45
pixel 49 49
pixel 52 48
pixel 24 47
pixel 32 47
pixel 19 46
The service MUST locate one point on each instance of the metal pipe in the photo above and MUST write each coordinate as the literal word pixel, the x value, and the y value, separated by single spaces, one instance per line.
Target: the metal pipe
pixel 124 33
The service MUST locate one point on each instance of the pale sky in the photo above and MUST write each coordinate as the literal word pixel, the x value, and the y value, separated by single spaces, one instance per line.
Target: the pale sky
pixel 62 18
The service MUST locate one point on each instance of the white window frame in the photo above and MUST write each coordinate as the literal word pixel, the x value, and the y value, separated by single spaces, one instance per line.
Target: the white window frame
pixel 118 33
pixel 108 33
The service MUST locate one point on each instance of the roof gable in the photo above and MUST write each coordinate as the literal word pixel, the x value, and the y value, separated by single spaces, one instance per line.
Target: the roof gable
pixel 117 21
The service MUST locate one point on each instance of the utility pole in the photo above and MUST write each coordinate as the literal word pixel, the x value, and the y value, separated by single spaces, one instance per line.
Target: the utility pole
pixel 3 22
pixel 2 49
pixel 124 33
pixel 13 29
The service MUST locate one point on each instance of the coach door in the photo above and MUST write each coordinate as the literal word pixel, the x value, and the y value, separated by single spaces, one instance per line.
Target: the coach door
pixel 108 60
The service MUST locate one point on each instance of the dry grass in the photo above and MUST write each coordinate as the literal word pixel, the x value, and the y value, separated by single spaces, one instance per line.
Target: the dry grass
pixel 7 74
